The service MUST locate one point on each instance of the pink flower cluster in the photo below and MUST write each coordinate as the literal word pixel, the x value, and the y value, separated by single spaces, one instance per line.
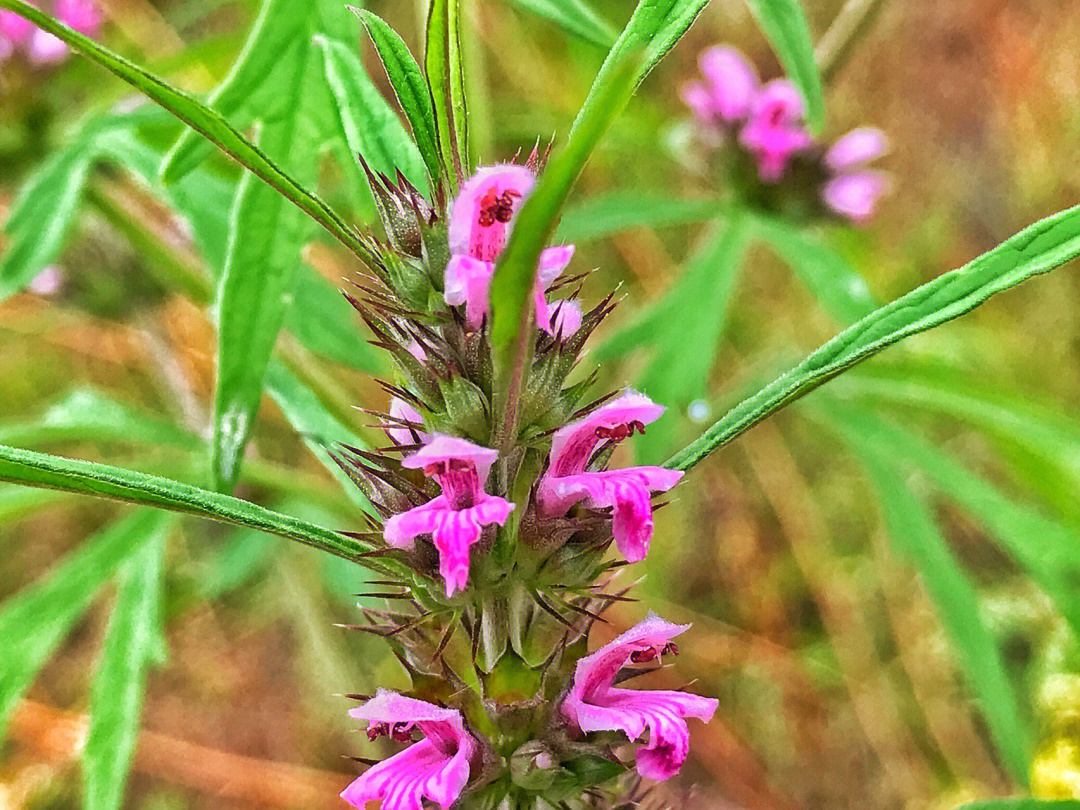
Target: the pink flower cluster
pixel 437 766
pixel 769 120
pixel 41 47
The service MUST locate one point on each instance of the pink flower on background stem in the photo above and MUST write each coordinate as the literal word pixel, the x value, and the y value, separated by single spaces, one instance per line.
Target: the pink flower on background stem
pixel 43 48
pixel 594 704
pixel 775 131
pixel 402 411
pixel 481 217
pixel 456 519
pixel 435 768
pixel 727 94
pixel 854 190
pixel 627 491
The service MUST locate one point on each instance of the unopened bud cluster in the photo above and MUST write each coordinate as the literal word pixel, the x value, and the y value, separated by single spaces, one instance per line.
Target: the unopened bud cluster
pixel 509 548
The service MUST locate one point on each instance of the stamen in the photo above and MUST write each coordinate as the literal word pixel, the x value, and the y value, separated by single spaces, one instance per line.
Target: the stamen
pixel 497 207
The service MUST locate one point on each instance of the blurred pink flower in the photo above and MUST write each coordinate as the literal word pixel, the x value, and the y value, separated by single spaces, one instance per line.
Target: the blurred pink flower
pixel 43 48
pixel 594 704
pixel 727 94
pixel 854 190
pixel 456 519
pixel 480 220
pixel 776 131
pixel 48 281
pixel 627 491
pixel 434 768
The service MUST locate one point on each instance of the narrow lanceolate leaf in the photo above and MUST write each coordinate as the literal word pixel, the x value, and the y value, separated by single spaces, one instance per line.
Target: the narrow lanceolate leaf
pixel 237 560
pixel 918 540
pixel 833 282
pixel 1037 249
pixel 691 321
pixel 203 120
pixel 605 215
pixel 1046 549
pixel 575 16
pixel 101 480
pixel 785 25
pixel 132 643
pixel 444 69
pixel 653 29
pixel 33 623
pixel 256 291
pixel 371 127
pixel 88 415
pixel 410 87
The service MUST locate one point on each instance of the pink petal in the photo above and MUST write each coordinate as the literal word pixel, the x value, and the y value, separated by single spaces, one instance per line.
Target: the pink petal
pixel 855 196
pixel 572 445
pixel 467 282
pixel 80 15
pixel 552 263
pixel 467 235
pixel 775 131
pixel 567 319
pixel 458 531
pixel 733 80
pixel 858 147
pixel 451 448
pixel 400 409
pixel 402 529
pixel 13 28
pixel 697 97
pixel 46 48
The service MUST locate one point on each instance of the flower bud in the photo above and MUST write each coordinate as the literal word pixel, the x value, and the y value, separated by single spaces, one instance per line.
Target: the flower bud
pixel 533 766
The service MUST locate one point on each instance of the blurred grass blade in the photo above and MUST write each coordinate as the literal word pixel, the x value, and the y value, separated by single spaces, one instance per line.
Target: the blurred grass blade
pixel 512 285
pixel 784 23
pixel 444 70
pixel 1037 249
pixel 17 502
pixel 256 290
pixel 132 643
pixel 33 623
pixel 237 560
pixel 103 481
pixel 1048 551
pixel 323 321
pixel 87 415
pixel 691 320
pixel 653 29
pixel 410 87
pixel 835 285
pixel 203 120
pixel 917 539
pixel 371 127
pixel 607 214
pixel 576 17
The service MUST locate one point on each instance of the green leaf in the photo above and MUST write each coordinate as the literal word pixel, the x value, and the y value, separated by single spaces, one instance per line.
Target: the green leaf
pixel 445 74
pixel 835 285
pixel 575 16
pixel 87 415
pixel 600 217
pixel 918 540
pixel 371 127
pixel 103 481
pixel 237 560
pixel 785 25
pixel 34 622
pixel 410 87
pixel 691 319
pixel 203 120
pixel 535 223
pixel 653 30
pixel 256 290
pixel 323 321
pixel 132 642
pixel 16 502
pixel 1037 249
pixel 1047 550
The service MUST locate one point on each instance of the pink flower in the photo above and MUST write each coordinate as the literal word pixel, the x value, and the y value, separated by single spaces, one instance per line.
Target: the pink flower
pixel 480 220
pixel 775 131
pixel 402 411
pixel 434 768
pixel 727 94
pixel 456 519
pixel 594 704
pixel 627 491
pixel 44 48
pixel 567 319
pixel 853 191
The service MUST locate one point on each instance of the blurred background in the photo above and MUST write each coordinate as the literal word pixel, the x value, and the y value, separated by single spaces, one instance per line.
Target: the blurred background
pixel 814 621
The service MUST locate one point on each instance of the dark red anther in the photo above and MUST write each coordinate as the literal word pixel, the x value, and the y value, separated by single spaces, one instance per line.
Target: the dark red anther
pixel 644 656
pixel 376 730
pixel 672 648
pixel 497 207
pixel 402 732
pixel 620 432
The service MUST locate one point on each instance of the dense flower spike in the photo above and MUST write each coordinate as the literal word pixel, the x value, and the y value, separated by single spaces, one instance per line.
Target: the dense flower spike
pixel 776 130
pixel 43 48
pixel 456 519
pixel 854 190
pixel 434 768
pixel 627 491
pixel 595 704
pixel 480 220
pixel 728 92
